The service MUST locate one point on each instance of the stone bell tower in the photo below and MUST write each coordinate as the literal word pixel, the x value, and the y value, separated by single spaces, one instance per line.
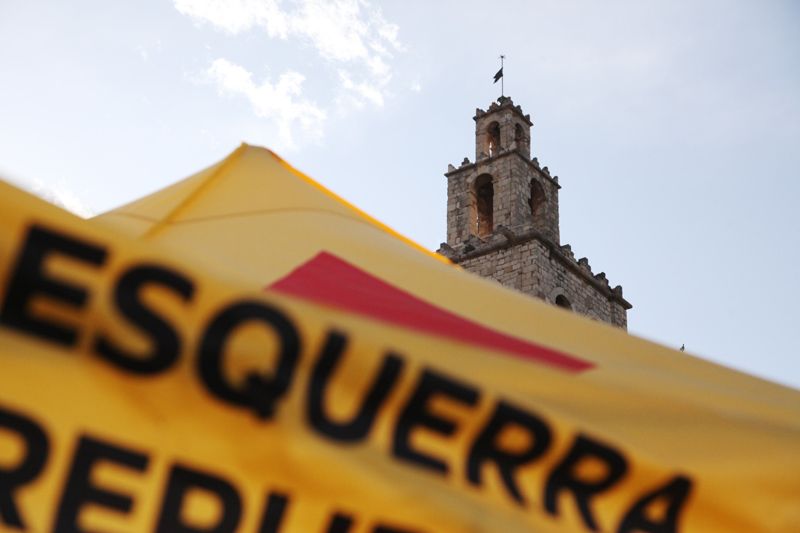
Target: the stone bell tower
pixel 502 221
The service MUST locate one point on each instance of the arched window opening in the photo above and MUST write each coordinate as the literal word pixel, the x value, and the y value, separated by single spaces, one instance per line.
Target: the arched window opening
pixel 537 203
pixel 494 138
pixel 562 301
pixel 483 206
pixel 519 136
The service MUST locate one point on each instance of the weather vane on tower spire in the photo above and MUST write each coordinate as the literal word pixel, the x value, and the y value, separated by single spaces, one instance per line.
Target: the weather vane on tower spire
pixel 499 76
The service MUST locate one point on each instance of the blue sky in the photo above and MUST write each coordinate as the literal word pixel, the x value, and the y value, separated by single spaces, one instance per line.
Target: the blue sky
pixel 674 127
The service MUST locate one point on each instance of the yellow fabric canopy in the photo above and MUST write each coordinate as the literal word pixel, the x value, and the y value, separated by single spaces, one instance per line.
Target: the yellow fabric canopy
pixel 244 351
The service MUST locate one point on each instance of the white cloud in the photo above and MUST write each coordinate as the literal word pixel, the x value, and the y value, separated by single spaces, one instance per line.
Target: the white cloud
pixel 379 68
pixel 335 28
pixel 281 102
pixel 236 16
pixel 349 33
pixel 365 90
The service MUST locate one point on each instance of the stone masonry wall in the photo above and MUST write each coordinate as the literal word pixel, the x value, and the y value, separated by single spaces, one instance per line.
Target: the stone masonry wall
pixel 512 175
pixel 533 268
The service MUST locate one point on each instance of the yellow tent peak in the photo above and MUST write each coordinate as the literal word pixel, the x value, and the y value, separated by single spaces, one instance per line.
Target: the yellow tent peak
pixel 235 186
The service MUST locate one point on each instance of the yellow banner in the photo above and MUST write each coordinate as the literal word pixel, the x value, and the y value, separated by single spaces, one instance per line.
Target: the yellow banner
pixel 140 392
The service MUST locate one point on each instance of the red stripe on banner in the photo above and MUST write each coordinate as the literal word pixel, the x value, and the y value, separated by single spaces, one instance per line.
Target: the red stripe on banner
pixel 331 281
